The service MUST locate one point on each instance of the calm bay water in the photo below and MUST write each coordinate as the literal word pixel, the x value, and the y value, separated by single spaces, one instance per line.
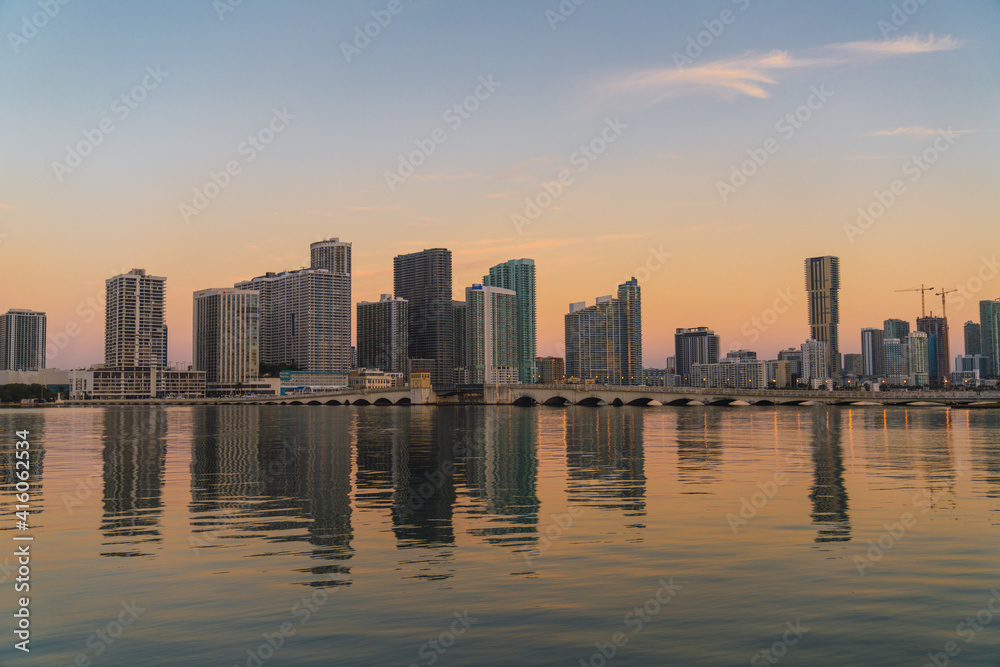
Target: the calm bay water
pixel 298 535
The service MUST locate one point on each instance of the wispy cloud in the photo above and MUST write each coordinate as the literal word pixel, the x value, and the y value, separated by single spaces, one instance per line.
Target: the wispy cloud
pixel 915 131
pixel 9 207
pixel 754 74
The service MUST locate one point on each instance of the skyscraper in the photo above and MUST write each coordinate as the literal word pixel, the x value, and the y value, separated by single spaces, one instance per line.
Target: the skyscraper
pixel 794 358
pixel 936 329
pixel 895 359
pixel 491 345
pixel 918 357
pixel 989 321
pixel 823 293
pixel 604 341
pixel 424 279
pixel 871 352
pixel 692 346
pixel 22 340
pixel 305 315
pixel 135 329
pixel 227 337
pixel 383 330
pixel 973 339
pixel 519 275
pixel 895 328
pixel 458 345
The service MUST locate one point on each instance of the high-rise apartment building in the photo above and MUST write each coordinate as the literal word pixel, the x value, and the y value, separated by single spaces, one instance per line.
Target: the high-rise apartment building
pixel 794 358
pixel 491 321
pixel 989 322
pixel 973 339
pixel 604 341
pixel 135 328
pixel 853 365
pixel 519 275
pixel 698 345
pixel 305 315
pixel 458 342
pixel 896 328
pixel 823 293
pixel 227 337
pixel 22 340
pixel 871 352
pixel 918 358
pixel 815 361
pixel 383 331
pixel 424 279
pixel 936 329
pixel 896 361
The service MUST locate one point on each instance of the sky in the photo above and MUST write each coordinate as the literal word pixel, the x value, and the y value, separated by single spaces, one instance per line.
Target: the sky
pixel 706 148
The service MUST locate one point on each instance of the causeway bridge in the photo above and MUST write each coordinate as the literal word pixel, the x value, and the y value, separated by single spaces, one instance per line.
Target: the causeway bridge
pixel 590 395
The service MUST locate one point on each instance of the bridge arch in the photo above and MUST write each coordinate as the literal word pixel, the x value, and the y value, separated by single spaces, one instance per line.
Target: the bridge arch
pixel 557 401
pixel 592 402
pixel 382 401
pixel 525 401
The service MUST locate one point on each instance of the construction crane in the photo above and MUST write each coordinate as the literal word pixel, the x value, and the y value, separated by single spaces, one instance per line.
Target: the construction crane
pixel 921 289
pixel 944 307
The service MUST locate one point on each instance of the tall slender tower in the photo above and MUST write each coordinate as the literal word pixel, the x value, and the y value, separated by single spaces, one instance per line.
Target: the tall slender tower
pixel 823 292
pixel 519 275
pixel 989 322
pixel 424 280
pixel 22 340
pixel 135 330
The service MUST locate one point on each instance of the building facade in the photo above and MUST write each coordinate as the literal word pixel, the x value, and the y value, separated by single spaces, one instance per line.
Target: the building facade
pixel 973 338
pixel 135 329
pixel 227 338
pixel 896 328
pixel 918 358
pixel 22 340
pixel 519 275
pixel 731 373
pixel 871 352
pixel 491 348
pixel 896 361
pixel 815 361
pixel 936 329
pixel 551 370
pixel 604 341
pixel 424 279
pixel 823 294
pixel 697 345
pixel 989 322
pixel 383 331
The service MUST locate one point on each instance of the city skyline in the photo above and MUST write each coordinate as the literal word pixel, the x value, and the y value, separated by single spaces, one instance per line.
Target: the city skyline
pixel 852 344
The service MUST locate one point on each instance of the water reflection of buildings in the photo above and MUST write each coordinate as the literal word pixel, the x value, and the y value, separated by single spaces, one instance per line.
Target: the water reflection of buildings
pixel 829 493
pixel 134 456
pixel 700 443
pixel 275 473
pixel 604 454
pixel 34 423
pixel 424 464
pixel 501 471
